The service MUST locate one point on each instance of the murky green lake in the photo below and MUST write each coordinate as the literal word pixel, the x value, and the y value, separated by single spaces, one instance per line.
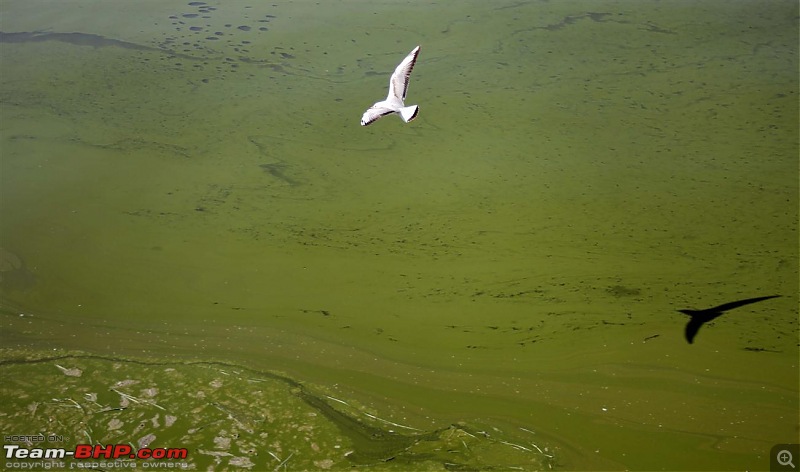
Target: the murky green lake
pixel 200 247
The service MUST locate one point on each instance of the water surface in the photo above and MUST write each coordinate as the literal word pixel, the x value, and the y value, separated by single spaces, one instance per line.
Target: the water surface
pixel 188 185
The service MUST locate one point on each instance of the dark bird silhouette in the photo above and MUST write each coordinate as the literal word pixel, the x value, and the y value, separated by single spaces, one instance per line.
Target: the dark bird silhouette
pixel 699 317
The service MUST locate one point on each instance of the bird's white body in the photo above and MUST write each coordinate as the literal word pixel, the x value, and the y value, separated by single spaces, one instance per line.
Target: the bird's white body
pixel 395 101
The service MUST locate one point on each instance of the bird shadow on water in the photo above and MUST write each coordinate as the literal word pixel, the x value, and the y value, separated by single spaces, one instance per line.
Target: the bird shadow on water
pixel 697 318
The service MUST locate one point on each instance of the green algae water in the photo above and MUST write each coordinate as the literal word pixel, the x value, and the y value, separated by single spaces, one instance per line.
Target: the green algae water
pixel 201 248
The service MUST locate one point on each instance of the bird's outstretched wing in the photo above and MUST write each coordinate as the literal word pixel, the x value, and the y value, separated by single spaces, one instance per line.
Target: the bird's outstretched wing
pixel 700 317
pixel 373 113
pixel 737 304
pixel 398 83
pixel 692 327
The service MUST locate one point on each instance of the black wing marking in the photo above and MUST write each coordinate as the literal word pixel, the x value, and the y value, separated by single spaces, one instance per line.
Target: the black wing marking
pixel 373 114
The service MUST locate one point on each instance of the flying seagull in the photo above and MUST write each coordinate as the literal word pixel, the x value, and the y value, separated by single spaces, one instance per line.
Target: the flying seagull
pixel 398 86
pixel 699 317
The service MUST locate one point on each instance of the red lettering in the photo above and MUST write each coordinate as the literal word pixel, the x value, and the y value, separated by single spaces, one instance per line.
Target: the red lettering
pixel 83 451
pixel 177 453
pixel 116 451
pixel 122 450
pixel 105 451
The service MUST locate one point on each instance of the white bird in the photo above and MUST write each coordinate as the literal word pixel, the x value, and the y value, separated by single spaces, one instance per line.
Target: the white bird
pixel 398 86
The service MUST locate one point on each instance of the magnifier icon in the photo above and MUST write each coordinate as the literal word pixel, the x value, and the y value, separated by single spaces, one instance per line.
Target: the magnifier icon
pixel 785 458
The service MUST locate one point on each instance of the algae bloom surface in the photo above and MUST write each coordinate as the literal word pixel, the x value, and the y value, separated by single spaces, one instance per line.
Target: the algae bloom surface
pixel 201 248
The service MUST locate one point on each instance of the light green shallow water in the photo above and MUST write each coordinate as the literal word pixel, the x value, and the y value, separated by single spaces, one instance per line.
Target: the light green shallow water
pixel 510 262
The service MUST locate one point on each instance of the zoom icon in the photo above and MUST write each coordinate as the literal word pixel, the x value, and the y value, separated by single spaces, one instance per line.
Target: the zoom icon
pixel 784 457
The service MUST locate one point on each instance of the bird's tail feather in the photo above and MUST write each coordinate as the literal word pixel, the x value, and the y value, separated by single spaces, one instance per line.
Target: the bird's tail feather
pixel 409 113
